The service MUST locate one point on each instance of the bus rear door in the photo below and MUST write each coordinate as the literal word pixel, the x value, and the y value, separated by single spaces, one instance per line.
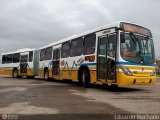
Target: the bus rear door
pixel 55 63
pixel 23 64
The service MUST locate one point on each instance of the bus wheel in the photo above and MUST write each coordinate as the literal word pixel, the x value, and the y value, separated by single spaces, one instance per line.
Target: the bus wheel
pixel 15 73
pixel 86 78
pixel 46 74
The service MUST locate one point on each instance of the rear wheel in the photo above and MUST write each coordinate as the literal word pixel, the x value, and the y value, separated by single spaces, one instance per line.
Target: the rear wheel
pixel 15 73
pixel 46 74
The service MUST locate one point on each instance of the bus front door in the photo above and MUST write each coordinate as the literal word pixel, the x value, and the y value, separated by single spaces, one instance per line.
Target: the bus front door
pixel 23 65
pixel 55 63
pixel 106 62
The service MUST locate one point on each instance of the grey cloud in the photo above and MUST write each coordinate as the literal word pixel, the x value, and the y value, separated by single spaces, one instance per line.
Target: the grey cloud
pixel 34 23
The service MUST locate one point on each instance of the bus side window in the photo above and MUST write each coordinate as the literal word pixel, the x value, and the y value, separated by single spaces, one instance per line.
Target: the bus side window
pixel 65 51
pixel 48 54
pixel 42 54
pixel 10 58
pixel 16 58
pixel 89 44
pixel 76 47
pixel 30 56
pixel 4 59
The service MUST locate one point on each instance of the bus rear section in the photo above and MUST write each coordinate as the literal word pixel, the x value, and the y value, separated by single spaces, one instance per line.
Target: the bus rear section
pixel 20 63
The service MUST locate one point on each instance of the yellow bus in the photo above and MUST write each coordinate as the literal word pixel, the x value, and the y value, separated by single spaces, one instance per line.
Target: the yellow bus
pixel 23 62
pixel 118 54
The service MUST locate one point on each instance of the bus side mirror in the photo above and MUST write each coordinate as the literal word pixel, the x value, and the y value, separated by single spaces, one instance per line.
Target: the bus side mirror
pixel 122 37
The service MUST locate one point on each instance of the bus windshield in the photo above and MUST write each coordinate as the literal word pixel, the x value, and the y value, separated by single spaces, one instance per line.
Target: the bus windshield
pixel 137 49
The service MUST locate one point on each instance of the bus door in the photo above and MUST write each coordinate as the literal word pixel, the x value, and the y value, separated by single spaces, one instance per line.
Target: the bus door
pixel 24 64
pixel 106 62
pixel 55 62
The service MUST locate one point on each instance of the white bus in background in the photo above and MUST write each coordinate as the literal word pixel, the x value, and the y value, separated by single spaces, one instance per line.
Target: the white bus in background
pixel 23 62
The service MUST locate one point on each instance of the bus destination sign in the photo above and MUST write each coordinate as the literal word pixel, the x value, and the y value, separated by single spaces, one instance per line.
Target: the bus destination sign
pixel 135 29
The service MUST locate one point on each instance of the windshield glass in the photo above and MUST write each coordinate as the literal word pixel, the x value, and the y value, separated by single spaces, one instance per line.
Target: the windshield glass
pixel 137 49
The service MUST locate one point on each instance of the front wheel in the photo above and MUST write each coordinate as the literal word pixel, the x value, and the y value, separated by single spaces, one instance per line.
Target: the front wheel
pixel 86 79
pixel 46 75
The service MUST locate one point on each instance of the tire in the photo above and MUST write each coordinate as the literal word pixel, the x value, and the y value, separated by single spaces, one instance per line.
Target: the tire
pixel 15 73
pixel 85 78
pixel 46 75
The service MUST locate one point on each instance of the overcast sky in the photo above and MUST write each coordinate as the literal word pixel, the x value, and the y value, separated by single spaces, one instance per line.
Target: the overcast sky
pixel 35 23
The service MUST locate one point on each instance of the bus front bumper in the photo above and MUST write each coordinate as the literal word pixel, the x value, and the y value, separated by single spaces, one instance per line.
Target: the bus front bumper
pixel 123 79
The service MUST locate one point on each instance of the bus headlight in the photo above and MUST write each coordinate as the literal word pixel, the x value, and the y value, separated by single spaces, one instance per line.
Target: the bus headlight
pixel 126 71
pixel 153 73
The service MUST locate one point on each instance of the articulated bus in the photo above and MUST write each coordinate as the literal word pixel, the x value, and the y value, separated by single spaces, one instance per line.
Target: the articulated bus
pixel 116 54
pixel 23 62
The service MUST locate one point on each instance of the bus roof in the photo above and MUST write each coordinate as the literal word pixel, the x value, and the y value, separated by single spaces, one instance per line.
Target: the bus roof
pixel 111 25
pixel 19 51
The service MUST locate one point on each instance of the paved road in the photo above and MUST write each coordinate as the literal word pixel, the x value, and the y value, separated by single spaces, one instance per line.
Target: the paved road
pixel 37 97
